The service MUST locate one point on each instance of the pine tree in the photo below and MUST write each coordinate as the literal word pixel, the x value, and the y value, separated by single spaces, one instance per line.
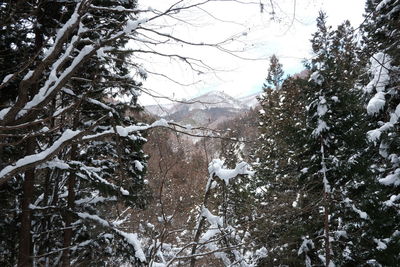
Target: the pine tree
pixel 336 144
pixel 278 220
pixel 381 49
pixel 275 74
pixel 55 194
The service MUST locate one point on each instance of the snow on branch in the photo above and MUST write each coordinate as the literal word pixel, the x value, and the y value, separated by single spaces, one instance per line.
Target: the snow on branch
pixel 66 138
pixel 216 168
pixel 349 203
pixel 36 159
pixel 130 238
pixel 380 65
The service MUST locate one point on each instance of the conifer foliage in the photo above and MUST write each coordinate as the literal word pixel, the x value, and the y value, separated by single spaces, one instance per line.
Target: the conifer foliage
pixel 67 151
pixel 275 73
pixel 325 191
pixel 327 167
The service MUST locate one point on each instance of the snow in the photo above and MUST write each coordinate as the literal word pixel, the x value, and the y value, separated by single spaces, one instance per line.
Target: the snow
pixel 376 103
pixel 322 107
pixel 30 159
pixel 392 200
pixel 60 33
pixel 216 168
pixel 321 127
pixel 55 163
pixel 132 24
pixel 341 233
pixel 125 131
pixel 317 78
pixel 304 170
pixel 379 69
pixel 380 244
pixel 61 110
pixel 94 200
pixel 124 191
pixel 363 215
pixel 335 99
pixel 327 187
pixel 296 202
pixel 382 4
pixel 132 239
pixel 98 103
pixel 262 252
pixel 305 246
pixel 7 78
pixel 391 179
pixel 101 53
pixel 34 207
pixel 374 135
pixel 394 116
pixel 96 218
pixel 142 72
pixel 139 166
pixel 53 81
pixel 212 219
pixel 3 112
pixel 160 123
pixel 28 75
pixel 67 91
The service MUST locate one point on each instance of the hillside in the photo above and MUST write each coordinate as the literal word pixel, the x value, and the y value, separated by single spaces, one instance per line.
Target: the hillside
pixel 209 109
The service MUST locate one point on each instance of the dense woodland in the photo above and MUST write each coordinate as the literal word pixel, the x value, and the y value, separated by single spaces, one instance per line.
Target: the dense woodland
pixel 88 179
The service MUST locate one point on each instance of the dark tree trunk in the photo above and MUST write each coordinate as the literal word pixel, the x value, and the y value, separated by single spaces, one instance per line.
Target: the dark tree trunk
pixel 326 226
pixel 25 238
pixel 200 226
pixel 65 258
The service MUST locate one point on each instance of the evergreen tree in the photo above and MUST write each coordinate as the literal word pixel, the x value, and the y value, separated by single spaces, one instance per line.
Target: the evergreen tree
pixel 278 220
pixel 336 141
pixel 275 74
pixel 381 49
pixel 57 184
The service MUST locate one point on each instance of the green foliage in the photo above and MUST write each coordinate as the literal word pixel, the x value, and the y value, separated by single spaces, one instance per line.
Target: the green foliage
pixel 275 74
pixel 103 176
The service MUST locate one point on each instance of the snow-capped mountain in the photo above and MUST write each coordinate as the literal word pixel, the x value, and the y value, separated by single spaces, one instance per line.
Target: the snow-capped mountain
pixel 210 108
pixel 250 101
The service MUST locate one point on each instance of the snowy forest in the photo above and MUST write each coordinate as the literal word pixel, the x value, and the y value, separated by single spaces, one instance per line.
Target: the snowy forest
pixel 308 175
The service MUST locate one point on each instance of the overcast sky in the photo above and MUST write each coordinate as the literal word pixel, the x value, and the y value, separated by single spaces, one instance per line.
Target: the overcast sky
pixel 257 34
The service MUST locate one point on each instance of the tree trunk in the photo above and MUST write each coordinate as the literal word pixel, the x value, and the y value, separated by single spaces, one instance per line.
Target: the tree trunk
pixel 65 259
pixel 200 226
pixel 326 228
pixel 25 238
pixel 327 191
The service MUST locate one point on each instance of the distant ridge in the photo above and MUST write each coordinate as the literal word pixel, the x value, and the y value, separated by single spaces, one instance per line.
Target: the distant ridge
pixel 208 109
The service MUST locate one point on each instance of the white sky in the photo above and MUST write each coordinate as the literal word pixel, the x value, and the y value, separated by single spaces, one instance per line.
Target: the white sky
pixel 255 34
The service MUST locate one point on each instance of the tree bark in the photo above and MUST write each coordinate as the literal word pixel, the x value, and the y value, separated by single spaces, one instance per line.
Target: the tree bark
pixel 25 238
pixel 65 258
pixel 200 226
pixel 326 226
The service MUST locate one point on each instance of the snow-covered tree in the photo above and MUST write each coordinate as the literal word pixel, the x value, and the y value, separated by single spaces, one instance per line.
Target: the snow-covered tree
pixel 381 49
pixel 276 189
pixel 336 143
pixel 275 74
pixel 74 147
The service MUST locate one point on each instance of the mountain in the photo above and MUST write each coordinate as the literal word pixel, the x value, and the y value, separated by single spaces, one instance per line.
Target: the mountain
pixel 208 109
pixel 250 101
